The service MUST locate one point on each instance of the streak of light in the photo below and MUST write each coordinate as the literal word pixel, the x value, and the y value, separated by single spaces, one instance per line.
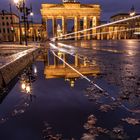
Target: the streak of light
pixel 100 26
pixel 127 52
pixel 62 49
pixel 90 81
pixel 67 46
pixel 101 33
pixel 108 50
pixel 83 76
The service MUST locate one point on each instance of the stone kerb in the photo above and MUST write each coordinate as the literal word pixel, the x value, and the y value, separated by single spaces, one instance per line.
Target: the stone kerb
pixel 8 72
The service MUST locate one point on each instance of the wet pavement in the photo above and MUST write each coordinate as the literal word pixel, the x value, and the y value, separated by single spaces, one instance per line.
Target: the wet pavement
pixel 59 111
pixel 9 52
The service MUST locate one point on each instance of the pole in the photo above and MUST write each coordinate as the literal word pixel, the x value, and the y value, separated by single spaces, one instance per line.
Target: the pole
pixel 20 31
pixel 32 29
pixel 12 28
pixel 25 24
pixel 31 8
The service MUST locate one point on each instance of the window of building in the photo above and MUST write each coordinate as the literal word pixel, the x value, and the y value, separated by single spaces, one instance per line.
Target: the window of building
pixel 2 17
pixel 3 30
pixel 6 17
pixel 8 30
pixel 3 23
pixel 7 23
pixel 0 30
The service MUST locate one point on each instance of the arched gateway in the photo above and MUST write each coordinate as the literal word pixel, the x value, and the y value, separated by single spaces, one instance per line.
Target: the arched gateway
pixel 87 14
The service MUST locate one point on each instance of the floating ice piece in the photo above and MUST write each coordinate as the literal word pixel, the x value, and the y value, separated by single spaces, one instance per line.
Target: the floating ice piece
pixel 87 137
pixel 105 108
pixel 16 112
pixel 131 121
pixel 118 129
pixel 3 120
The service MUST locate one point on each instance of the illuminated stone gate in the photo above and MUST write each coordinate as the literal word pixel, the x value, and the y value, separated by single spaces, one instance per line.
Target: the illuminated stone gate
pixel 89 14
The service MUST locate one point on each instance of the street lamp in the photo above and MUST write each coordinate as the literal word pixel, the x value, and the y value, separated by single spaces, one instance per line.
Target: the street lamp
pixel 32 15
pixel 21 6
pixel 132 13
pixel 16 1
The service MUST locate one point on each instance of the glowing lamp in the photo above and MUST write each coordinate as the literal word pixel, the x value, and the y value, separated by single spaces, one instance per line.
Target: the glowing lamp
pixel 23 86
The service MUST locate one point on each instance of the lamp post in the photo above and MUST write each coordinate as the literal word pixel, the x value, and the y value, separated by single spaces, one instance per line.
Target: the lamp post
pixel 31 15
pixel 12 27
pixel 132 13
pixel 21 6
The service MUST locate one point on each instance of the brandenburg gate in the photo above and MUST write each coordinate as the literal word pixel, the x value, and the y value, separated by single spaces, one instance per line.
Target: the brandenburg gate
pixel 88 14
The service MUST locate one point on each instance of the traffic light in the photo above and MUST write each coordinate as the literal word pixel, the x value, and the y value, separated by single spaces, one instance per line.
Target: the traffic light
pixel 28 11
pixel 21 9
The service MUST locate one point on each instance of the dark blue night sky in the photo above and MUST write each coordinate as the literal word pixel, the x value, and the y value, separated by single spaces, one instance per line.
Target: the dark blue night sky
pixel 109 7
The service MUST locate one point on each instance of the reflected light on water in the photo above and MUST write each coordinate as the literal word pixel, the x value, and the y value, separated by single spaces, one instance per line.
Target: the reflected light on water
pixel 130 52
pixel 23 86
pixel 35 70
pixel 28 89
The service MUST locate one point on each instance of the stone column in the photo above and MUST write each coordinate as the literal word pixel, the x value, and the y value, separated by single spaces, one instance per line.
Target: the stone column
pixel 113 33
pixel 94 24
pixel 76 27
pixel 17 35
pixel 55 61
pixel 76 60
pixel 64 25
pixel 46 28
pixel 88 26
pixel 85 62
pixel 119 33
pixel 54 26
pixel 85 27
pixel 125 34
pixel 46 59
pixel 64 58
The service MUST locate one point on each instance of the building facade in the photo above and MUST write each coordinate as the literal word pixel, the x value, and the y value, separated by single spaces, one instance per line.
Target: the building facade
pixel 124 30
pixel 6 26
pixel 35 32
pixel 71 9
pixel 12 29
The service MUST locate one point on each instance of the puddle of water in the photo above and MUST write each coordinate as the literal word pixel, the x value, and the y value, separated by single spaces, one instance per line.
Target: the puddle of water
pixel 64 103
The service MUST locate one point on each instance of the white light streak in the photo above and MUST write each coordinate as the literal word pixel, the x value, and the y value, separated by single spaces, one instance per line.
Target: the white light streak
pixel 116 31
pixel 100 26
pixel 85 77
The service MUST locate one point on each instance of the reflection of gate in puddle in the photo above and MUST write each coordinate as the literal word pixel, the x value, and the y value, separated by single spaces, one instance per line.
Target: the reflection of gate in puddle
pixel 58 69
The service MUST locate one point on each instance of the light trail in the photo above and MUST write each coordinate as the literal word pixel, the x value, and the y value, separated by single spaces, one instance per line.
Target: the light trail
pixel 100 26
pixel 116 31
pixel 69 46
pixel 126 52
pixel 62 49
pixel 90 81
pixel 83 76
